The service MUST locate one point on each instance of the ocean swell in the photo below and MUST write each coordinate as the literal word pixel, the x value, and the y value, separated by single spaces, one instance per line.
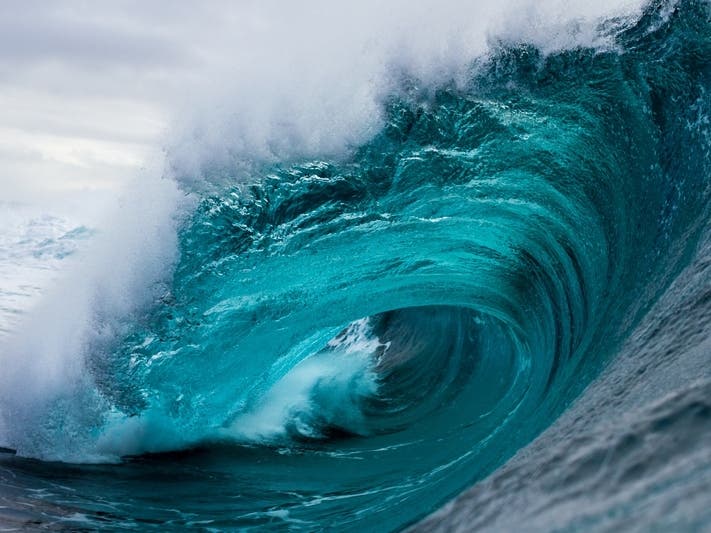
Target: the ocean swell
pixel 390 327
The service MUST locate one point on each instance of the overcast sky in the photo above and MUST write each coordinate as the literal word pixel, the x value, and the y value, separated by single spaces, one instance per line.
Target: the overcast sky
pixel 90 92
pixel 83 93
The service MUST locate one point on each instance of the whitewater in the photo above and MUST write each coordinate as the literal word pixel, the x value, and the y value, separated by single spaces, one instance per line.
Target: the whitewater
pixel 458 281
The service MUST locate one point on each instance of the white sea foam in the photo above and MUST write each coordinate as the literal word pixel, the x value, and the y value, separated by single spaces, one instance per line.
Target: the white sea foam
pixel 324 389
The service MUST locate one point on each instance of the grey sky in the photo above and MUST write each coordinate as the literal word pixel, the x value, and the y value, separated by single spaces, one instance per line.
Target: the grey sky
pixel 86 91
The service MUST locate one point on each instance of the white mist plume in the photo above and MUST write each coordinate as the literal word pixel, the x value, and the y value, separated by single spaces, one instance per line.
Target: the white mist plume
pixel 47 400
pixel 308 79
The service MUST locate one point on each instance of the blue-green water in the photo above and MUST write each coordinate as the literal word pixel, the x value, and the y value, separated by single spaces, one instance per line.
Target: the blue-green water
pixel 349 343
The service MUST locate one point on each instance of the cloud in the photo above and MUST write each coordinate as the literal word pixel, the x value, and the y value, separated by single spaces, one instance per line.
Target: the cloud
pixel 91 43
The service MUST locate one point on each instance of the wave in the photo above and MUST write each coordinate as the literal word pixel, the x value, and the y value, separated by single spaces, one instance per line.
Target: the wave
pixel 391 325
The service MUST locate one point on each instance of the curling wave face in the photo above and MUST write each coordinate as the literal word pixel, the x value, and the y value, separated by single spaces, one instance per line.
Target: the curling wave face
pixel 349 343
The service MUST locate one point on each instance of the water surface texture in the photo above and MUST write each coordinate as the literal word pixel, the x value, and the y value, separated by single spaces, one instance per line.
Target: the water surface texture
pixel 349 343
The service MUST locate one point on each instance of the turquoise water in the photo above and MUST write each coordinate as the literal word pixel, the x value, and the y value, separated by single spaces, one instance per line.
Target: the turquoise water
pixel 348 343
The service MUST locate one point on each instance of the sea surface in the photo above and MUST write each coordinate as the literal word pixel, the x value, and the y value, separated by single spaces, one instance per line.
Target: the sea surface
pixel 494 314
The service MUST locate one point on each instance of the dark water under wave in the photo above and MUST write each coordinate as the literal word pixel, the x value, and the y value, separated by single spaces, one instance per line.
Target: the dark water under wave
pixel 349 344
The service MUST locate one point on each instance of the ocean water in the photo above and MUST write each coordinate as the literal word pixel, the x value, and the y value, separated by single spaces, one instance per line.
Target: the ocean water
pixel 499 299
pixel 33 245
